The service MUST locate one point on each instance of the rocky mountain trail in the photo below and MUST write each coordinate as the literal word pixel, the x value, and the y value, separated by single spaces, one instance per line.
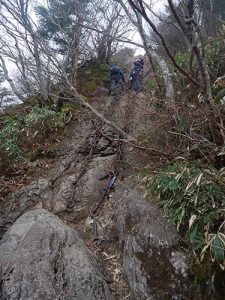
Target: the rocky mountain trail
pixel 129 251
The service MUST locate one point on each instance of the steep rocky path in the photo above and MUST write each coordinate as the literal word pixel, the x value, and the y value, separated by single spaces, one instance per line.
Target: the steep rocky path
pixel 94 190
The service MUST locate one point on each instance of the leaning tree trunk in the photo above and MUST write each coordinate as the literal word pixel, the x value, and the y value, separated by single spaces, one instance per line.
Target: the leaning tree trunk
pixel 10 81
pixel 76 50
pixel 170 95
pixel 152 55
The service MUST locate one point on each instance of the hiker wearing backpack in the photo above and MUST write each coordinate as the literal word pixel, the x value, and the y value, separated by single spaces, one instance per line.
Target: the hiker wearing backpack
pixel 116 76
pixel 141 62
pixel 136 76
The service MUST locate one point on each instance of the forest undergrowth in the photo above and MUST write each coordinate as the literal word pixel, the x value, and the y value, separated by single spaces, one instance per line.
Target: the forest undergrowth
pixel 29 139
pixel 190 186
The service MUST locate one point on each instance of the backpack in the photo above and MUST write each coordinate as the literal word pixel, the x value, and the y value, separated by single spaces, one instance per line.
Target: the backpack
pixel 138 64
pixel 136 72
pixel 114 70
pixel 141 62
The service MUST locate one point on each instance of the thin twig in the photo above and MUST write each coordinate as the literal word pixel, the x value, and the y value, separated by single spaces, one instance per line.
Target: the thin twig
pixel 144 148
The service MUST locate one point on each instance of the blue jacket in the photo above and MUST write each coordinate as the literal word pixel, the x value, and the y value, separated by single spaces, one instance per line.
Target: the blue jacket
pixel 117 76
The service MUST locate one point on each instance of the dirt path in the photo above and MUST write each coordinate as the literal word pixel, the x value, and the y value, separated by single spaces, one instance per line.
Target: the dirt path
pixel 72 186
pixel 134 244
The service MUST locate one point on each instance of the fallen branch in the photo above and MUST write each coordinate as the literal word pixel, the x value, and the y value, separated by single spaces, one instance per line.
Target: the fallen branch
pixel 144 148
pixel 111 257
pixel 99 130
pixel 183 135
pixel 102 134
pixel 82 100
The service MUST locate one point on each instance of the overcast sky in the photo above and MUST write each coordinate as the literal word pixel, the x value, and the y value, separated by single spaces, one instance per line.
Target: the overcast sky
pixel 157 5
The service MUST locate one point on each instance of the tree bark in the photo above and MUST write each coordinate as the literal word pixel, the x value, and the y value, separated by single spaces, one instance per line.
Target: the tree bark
pixel 142 11
pixel 170 95
pixel 10 81
pixel 152 55
pixel 190 28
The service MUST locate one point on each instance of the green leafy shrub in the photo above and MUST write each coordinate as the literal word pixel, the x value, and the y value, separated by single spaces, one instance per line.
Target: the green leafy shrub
pixel 182 58
pixel 91 86
pixel 9 139
pixel 46 118
pixel 194 199
pixel 151 87
pixel 92 76
pixel 214 54
pixel 19 131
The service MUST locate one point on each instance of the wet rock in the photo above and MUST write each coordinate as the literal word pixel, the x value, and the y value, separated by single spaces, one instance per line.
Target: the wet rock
pixel 41 258
pixel 180 263
pixel 90 189
pixel 102 144
pixel 108 131
pixel 18 202
pixel 107 151
pixel 151 263
pixel 91 140
pixel 64 193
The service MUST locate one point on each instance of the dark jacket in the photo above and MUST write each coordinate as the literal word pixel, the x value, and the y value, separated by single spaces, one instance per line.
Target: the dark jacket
pixel 115 75
pixel 136 72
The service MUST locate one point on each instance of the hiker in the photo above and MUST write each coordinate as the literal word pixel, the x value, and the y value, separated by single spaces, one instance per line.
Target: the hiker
pixel 136 75
pixel 116 76
pixel 140 63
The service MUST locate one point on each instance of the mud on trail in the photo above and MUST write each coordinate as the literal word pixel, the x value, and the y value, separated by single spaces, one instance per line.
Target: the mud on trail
pixel 94 189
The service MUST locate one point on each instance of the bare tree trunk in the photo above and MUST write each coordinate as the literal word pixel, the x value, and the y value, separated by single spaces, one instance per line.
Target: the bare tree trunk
pixel 75 51
pixel 151 54
pixel 191 30
pixel 140 8
pixel 9 80
pixel 154 71
pixel 170 95
pixel 26 22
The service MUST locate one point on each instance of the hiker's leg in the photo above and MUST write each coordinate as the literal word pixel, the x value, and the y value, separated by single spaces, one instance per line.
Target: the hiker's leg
pixel 138 85
pixel 122 86
pixel 141 83
pixel 130 85
pixel 135 84
pixel 112 88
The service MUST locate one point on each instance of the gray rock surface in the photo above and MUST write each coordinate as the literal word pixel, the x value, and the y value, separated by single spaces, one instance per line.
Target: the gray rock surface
pixel 153 266
pixel 41 258
pixel 89 190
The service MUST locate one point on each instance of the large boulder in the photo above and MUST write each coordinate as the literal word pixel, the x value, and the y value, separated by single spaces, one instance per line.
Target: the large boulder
pixel 151 260
pixel 42 258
